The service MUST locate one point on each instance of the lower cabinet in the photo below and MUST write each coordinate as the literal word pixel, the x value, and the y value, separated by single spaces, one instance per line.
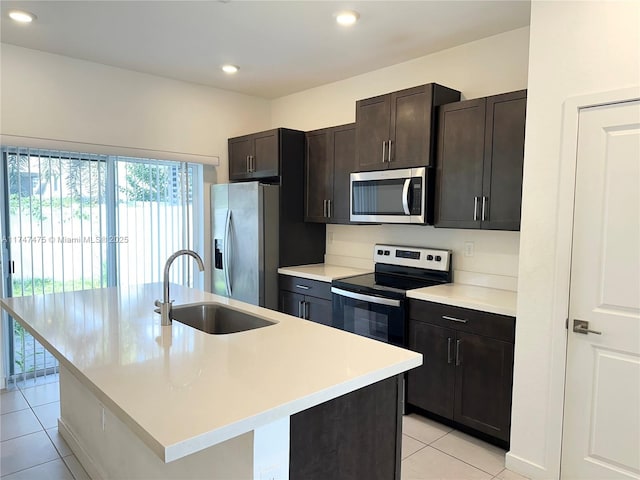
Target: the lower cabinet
pixel 304 298
pixel 467 370
pixel 353 437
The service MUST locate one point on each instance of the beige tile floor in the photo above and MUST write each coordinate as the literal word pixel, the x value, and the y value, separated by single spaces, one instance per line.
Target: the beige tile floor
pixel 432 451
pixel 31 447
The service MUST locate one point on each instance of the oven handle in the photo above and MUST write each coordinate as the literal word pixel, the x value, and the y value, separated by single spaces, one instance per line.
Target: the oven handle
pixel 366 298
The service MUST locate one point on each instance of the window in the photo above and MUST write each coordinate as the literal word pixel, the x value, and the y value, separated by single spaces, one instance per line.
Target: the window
pixel 76 221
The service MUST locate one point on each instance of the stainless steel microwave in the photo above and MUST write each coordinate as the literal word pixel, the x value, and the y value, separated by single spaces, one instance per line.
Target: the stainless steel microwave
pixel 390 196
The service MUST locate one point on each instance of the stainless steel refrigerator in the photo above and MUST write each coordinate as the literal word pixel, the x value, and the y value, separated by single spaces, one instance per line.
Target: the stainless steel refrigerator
pixel 245 222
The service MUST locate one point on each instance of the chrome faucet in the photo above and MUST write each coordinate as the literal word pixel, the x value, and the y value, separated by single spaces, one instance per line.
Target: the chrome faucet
pixel 164 307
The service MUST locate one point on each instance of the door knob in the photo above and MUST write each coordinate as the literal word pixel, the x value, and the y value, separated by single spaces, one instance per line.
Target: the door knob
pixel 582 326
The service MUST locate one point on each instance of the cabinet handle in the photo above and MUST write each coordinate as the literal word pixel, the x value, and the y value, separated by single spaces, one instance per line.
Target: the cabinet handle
pixel 475 209
pixel 458 353
pixel 484 201
pixel 324 208
pixel 303 287
pixel 454 319
pixel 248 167
pixel 300 309
pixel 305 310
pixel 389 152
pixel 328 208
pixel 253 163
pixel 449 350
pixel 384 142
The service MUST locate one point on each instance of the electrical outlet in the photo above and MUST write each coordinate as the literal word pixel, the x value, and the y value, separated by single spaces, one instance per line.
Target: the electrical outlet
pixel 468 249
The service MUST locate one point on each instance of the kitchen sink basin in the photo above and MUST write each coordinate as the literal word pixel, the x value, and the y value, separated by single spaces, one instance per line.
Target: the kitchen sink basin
pixel 216 319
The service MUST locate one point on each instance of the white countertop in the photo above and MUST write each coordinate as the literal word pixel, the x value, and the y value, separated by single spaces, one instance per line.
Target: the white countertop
pixel 322 272
pixel 490 300
pixel 181 390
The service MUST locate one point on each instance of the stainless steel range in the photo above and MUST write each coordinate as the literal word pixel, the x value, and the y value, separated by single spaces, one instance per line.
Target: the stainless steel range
pixel 375 304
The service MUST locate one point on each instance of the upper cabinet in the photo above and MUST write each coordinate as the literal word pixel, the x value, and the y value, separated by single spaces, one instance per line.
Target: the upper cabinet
pixel 396 130
pixel 479 162
pixel 259 155
pixel 330 158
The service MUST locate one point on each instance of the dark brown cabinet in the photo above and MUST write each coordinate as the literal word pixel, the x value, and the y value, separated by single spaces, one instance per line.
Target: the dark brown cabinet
pixel 260 155
pixel 480 157
pixel 330 159
pixel 304 298
pixel 467 370
pixel 352 437
pixel 277 156
pixel 396 130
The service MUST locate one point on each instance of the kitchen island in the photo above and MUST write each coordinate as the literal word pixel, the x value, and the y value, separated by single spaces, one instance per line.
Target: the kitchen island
pixel 290 400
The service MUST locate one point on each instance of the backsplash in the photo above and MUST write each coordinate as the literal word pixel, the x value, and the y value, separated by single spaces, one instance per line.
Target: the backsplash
pixel 495 253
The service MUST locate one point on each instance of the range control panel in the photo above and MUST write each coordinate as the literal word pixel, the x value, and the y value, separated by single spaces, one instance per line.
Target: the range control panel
pixel 419 257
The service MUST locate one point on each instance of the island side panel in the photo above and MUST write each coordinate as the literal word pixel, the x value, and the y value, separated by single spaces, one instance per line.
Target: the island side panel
pixel 355 436
pixel 108 449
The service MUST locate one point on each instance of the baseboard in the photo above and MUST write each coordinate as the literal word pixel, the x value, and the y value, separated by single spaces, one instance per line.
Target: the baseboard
pixel 94 472
pixel 528 469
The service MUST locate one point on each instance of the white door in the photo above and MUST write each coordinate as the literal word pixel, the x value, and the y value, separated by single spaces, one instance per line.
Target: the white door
pixel 601 434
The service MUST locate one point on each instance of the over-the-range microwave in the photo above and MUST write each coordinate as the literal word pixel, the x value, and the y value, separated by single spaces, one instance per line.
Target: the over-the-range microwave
pixel 392 196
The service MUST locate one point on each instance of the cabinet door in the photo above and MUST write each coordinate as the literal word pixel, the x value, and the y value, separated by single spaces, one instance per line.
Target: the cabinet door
pixel 373 117
pixel 319 176
pixel 239 151
pixel 503 160
pixel 266 154
pixel 431 385
pixel 318 310
pixel 291 303
pixel 411 127
pixel 483 384
pixel 355 436
pixel 460 163
pixel 344 162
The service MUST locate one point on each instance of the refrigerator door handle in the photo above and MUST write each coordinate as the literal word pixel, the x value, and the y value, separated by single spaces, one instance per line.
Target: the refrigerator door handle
pixel 227 247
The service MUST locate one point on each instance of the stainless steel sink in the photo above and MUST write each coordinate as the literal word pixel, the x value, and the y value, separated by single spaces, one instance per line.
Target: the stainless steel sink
pixel 216 319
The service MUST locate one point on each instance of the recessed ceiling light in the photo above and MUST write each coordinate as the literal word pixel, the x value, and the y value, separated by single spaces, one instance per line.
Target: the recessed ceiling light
pixel 230 68
pixel 22 17
pixel 348 17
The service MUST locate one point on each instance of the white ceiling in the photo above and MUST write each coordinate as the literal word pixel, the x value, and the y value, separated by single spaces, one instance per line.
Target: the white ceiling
pixel 281 47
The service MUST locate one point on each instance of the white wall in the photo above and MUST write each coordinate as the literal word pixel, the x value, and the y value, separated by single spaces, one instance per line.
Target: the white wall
pixel 576 48
pixel 492 65
pixel 61 98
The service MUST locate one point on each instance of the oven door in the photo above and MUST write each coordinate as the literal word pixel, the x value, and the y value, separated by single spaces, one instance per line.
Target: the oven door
pixel 375 317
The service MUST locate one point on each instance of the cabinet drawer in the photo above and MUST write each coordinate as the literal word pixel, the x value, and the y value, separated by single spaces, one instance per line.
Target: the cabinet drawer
pixel 305 286
pixel 500 327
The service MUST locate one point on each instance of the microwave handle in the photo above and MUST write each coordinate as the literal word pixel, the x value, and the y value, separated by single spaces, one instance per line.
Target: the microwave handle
pixel 405 196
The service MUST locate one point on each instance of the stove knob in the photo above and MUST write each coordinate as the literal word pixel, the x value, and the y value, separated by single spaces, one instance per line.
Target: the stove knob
pixel 380 252
pixel 438 258
pixel 429 257
pixel 387 252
